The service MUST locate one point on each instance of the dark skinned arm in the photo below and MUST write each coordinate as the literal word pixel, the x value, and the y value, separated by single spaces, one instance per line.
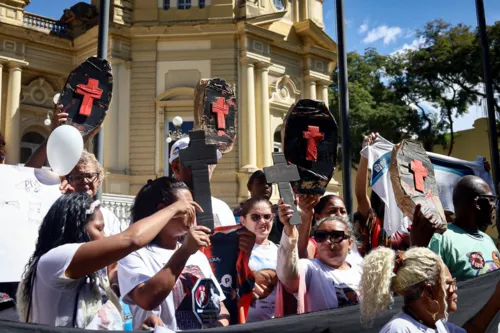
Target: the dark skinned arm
pixel 150 294
pixel 95 255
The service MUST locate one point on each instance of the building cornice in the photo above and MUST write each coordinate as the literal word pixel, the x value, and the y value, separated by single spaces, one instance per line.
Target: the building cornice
pixel 30 35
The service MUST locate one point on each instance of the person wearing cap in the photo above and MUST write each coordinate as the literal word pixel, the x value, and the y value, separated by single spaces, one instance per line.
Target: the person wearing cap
pixel 223 216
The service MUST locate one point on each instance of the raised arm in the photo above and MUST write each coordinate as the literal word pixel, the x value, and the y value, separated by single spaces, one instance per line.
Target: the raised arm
pixel 288 257
pixel 306 204
pixel 95 255
pixel 150 294
pixel 361 187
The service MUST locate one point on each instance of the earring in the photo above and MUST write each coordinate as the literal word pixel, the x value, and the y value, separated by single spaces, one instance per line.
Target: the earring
pixel 434 313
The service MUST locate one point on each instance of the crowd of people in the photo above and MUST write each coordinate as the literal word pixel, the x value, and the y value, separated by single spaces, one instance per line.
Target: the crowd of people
pixel 86 267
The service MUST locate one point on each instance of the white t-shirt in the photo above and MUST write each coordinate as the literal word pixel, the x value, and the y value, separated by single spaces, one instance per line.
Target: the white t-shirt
pixel 379 159
pixel 112 224
pixel 329 288
pixel 176 311
pixel 54 294
pixel 223 215
pixel 263 257
pixel 403 323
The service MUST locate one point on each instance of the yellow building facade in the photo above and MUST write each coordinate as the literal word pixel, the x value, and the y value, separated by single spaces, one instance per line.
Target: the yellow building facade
pixel 273 51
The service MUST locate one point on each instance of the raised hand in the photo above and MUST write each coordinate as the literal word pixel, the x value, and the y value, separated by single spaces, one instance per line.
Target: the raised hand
pixel 186 210
pixel 196 238
pixel 423 227
pixel 307 202
pixel 246 241
pixel 370 139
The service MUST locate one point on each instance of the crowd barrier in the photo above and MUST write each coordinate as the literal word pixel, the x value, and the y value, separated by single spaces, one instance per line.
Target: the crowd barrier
pixel 472 295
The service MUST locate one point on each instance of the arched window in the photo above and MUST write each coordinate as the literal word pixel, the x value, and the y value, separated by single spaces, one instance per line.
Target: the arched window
pixel 166 4
pixel 29 143
pixel 202 4
pixel 184 4
pixel 279 4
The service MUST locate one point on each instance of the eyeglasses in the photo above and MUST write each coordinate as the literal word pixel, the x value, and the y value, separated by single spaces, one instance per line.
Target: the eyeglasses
pixel 335 236
pixel 257 217
pixel 491 198
pixel 80 178
pixel 451 286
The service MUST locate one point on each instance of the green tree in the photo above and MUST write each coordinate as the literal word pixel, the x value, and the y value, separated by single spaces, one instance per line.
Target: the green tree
pixel 374 107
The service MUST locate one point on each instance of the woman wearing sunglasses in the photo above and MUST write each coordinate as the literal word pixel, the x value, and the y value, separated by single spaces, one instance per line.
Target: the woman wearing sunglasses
pixel 327 281
pixel 428 289
pixel 257 216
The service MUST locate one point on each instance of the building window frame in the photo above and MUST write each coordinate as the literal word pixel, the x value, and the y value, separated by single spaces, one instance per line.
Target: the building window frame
pixel 166 4
pixel 184 4
pixel 201 4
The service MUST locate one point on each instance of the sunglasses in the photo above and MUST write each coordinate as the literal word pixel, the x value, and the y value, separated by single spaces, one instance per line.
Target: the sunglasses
pixel 257 217
pixel 334 236
pixel 490 198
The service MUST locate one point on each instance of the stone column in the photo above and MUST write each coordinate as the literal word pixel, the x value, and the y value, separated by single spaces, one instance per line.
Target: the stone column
pixel 248 123
pixel 265 117
pixel 312 89
pixel 13 115
pixel 324 95
pixel 111 142
pixel 124 118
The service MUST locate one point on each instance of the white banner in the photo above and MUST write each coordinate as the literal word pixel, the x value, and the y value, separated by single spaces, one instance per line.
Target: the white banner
pixel 26 195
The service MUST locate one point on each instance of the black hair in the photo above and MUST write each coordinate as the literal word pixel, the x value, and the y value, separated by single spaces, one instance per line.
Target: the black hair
pixel 159 191
pixel 255 175
pixel 250 203
pixel 323 201
pixel 65 223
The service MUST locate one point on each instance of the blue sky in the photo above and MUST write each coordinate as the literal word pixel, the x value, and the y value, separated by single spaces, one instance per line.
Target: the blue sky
pixel 387 25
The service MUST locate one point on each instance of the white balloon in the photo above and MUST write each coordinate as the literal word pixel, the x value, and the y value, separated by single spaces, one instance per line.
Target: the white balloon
pixel 56 98
pixel 64 149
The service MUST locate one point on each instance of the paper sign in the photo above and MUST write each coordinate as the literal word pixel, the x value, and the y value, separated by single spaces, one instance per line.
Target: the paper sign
pixel 26 195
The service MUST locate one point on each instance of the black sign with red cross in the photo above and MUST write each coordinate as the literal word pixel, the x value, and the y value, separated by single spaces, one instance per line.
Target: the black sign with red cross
pixel 87 94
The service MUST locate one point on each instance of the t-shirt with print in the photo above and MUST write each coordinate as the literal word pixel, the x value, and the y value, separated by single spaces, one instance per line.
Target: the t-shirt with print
pixel 54 297
pixel 329 288
pixel 176 311
pixel 403 323
pixel 263 257
pixel 466 255
pixel 223 216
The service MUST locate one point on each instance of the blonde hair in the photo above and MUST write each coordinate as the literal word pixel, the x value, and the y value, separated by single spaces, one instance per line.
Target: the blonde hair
pixel 416 267
pixel 89 158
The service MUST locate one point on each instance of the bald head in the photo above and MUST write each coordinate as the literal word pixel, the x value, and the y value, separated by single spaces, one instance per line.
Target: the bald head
pixel 467 189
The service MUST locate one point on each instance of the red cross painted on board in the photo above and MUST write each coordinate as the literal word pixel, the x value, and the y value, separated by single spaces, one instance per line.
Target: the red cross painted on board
pixel 419 173
pixel 90 91
pixel 313 136
pixel 220 108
